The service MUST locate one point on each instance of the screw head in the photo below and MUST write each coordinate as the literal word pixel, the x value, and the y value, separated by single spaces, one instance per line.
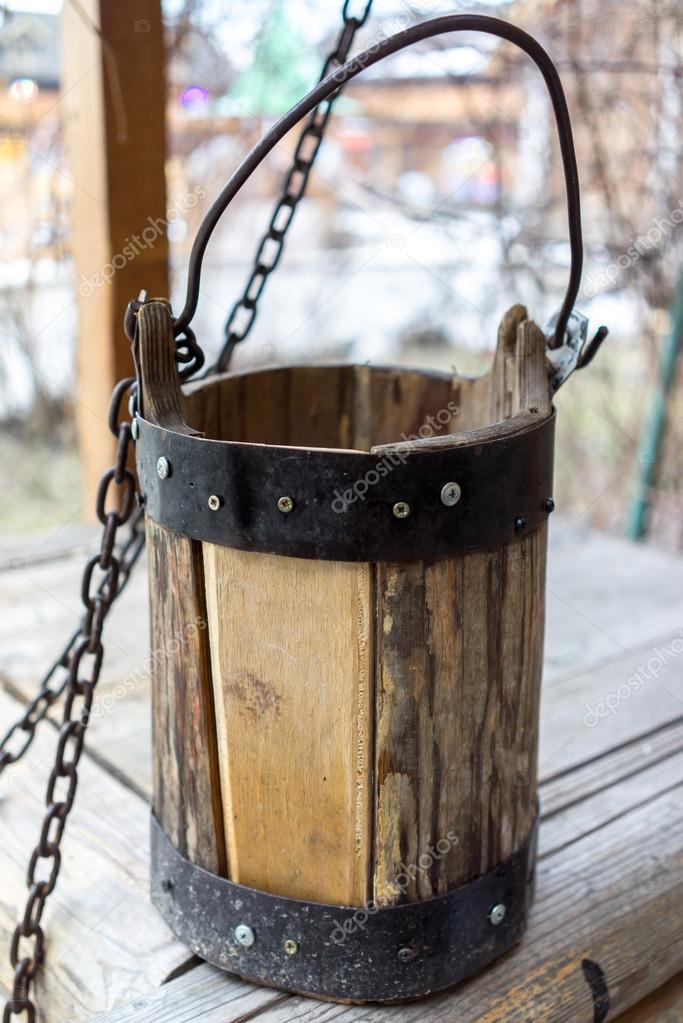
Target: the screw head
pixel 408 953
pixel 520 525
pixel 244 935
pixel 285 505
pixel 549 505
pixel 401 509
pixel 450 494
pixel 215 502
pixel 163 468
pixel 290 946
pixel 497 914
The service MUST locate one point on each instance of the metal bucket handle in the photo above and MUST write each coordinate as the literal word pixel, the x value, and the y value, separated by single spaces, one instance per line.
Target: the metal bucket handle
pixel 353 67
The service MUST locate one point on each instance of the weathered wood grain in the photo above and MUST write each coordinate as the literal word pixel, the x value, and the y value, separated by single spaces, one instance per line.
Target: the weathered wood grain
pixel 186 797
pixel 663 1006
pixel 596 915
pixel 459 647
pixel 291 649
pixel 459 655
pixel 105 942
pixel 160 393
pixel 599 899
pixel 203 993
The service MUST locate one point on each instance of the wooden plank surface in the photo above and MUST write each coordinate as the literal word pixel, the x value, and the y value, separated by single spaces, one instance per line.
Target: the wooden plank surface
pixel 105 944
pixel 637 607
pixel 611 606
pixel 609 900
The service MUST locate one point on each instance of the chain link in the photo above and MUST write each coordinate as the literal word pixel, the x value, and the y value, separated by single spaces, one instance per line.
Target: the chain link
pixel 270 249
pixel 76 671
pixel 104 578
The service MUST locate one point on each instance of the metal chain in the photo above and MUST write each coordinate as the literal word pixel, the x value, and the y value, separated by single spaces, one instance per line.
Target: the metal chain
pixel 268 254
pixel 104 577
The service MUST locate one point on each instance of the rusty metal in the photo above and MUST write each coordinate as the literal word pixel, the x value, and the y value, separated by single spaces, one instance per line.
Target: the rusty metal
pixel 334 81
pixel 104 577
pixel 270 248
pixel 348 505
pixel 351 953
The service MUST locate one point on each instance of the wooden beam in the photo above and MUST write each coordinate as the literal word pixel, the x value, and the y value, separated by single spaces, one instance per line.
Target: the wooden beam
pixel 114 96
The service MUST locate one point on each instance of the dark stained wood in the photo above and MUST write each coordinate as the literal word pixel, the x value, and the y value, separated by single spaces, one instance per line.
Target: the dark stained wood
pixel 161 395
pixel 186 787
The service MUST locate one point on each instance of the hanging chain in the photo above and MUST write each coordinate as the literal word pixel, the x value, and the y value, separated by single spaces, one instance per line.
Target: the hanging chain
pixel 76 672
pixel 104 577
pixel 244 312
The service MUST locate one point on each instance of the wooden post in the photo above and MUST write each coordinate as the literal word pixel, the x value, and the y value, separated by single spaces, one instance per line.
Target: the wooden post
pixel 114 101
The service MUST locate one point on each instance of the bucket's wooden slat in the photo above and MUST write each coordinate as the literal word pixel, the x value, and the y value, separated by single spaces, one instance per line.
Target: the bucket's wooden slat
pixel 531 389
pixel 291 649
pixel 185 770
pixel 459 646
pixel 458 662
pixel 503 370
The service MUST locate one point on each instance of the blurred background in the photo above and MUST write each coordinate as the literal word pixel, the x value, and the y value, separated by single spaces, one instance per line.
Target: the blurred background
pixel 436 202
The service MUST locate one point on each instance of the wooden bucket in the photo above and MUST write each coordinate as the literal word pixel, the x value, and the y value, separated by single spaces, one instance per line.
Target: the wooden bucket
pixel 347 570
pixel 358 733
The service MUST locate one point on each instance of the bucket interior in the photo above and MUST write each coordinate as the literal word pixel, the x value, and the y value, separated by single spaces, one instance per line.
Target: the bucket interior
pixel 351 407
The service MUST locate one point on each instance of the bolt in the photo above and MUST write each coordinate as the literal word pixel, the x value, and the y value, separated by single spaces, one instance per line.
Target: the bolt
pixel 290 946
pixel 549 505
pixel 285 505
pixel 408 953
pixel 401 509
pixel 244 935
pixel 497 914
pixel 163 468
pixel 135 428
pixel 520 525
pixel 215 502
pixel 450 494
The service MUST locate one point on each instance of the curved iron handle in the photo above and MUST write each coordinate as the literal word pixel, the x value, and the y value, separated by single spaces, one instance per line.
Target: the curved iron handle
pixel 353 67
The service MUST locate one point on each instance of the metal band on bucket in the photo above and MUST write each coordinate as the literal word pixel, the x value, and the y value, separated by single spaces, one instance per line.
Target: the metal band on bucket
pixel 340 505
pixel 344 952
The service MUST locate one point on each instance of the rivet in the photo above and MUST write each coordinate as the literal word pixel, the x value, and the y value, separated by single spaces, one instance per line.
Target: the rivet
pixel 401 509
pixel 163 468
pixel 408 953
pixel 244 935
pixel 285 505
pixel 290 946
pixel 497 914
pixel 549 505
pixel 215 502
pixel 520 525
pixel 450 494
pixel 135 428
